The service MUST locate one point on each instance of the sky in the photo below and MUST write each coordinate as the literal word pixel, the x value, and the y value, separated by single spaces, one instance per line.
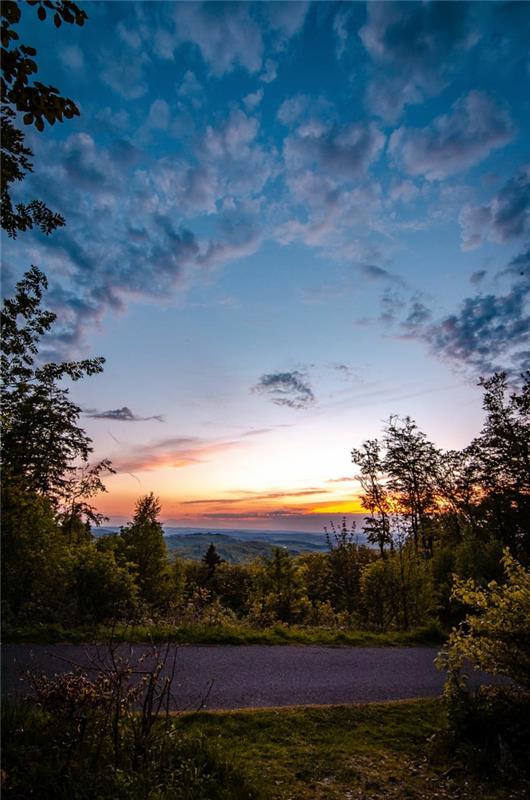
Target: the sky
pixel 285 222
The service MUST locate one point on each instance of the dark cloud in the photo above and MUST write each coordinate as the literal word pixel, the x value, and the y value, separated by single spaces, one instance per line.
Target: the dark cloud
pixel 478 276
pixel 344 153
pixel 489 332
pixel 414 46
pixel 121 415
pixel 453 142
pixel 505 218
pixel 286 389
pixel 375 273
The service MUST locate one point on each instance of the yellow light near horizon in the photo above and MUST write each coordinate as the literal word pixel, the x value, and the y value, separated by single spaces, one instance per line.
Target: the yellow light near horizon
pixel 344 507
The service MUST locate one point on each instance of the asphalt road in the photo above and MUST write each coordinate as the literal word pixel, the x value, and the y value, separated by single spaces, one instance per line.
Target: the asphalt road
pixel 250 676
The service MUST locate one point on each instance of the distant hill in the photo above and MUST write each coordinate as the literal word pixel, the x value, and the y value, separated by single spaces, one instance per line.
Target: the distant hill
pixel 235 551
pixel 236 546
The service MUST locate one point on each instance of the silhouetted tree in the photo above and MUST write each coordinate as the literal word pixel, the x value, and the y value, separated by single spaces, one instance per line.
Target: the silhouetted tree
pixel 375 494
pixel 35 103
pixel 502 456
pixel 410 463
pixel 212 559
pixel 41 435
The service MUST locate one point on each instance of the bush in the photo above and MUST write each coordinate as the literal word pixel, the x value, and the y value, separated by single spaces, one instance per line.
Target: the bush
pixel 490 727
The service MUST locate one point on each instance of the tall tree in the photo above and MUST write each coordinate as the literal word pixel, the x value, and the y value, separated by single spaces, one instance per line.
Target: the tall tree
pixel 41 435
pixel 34 103
pixel 143 546
pixel 410 463
pixel 212 559
pixel 502 457
pixel 375 497
pixel 347 560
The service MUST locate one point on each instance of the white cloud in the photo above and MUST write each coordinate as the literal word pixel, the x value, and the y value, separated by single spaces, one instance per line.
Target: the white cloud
pixel 453 142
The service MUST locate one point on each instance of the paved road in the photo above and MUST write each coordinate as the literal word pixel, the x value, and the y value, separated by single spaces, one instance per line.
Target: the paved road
pixel 253 675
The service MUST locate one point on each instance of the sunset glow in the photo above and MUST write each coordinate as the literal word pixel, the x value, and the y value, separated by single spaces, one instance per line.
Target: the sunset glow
pixel 285 222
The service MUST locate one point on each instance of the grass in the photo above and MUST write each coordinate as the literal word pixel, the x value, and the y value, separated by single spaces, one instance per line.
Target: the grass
pixel 365 752
pixel 376 752
pixel 223 634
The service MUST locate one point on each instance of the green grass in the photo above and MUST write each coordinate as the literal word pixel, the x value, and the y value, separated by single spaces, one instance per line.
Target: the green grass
pixel 226 634
pixel 377 751
pixel 368 752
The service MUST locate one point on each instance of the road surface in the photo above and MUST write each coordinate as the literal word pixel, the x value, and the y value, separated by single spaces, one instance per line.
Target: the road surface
pixel 220 676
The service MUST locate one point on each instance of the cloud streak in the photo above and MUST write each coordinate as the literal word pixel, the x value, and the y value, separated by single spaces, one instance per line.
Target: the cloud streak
pixel 123 414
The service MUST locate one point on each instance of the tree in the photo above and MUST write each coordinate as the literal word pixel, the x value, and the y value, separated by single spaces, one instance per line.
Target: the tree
pixel 75 512
pixel 41 435
pixel 347 560
pixel 375 495
pixel 212 559
pixel 142 546
pixel 410 463
pixel 36 103
pixel 502 457
pixel 282 583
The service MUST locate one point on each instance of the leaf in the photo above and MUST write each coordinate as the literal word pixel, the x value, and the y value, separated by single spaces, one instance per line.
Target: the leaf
pixel 41 13
pixel 57 20
pixel 39 124
pixel 28 119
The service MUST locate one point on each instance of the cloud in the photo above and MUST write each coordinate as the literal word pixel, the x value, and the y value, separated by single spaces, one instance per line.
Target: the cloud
pixel 505 218
pixel 253 100
pixel 343 153
pixel 120 415
pixel 286 389
pixel 124 75
pixel 158 116
pixel 340 29
pixel 226 34
pixel 453 142
pixel 270 71
pixel 415 47
pixel 488 333
pixel 375 273
pixel 72 57
pixel 286 19
pixel 250 497
pixel 126 240
pixel 172 453
pixel 478 276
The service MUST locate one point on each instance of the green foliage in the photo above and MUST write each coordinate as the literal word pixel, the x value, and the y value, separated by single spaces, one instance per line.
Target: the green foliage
pixel 495 635
pixel 35 562
pixel 142 546
pixel 347 560
pixel 103 590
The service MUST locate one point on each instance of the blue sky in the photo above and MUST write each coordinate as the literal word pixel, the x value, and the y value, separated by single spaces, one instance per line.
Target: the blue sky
pixel 285 221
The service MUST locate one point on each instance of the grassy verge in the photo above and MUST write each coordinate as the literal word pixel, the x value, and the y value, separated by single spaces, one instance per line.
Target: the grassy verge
pixel 370 752
pixel 210 634
pixel 373 751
